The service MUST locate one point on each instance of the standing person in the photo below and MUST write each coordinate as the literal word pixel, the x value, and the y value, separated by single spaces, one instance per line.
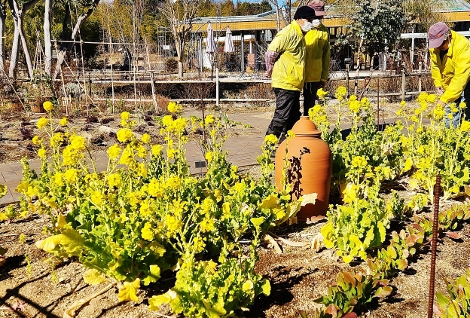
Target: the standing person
pixel 317 61
pixel 450 70
pixel 285 62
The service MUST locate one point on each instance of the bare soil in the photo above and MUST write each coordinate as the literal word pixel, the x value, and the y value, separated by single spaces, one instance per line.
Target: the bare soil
pixel 34 285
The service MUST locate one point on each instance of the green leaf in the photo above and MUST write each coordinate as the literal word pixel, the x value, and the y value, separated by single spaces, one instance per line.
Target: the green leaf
pixel 153 276
pixel 129 291
pixel 93 277
pixel 156 301
pixel 266 287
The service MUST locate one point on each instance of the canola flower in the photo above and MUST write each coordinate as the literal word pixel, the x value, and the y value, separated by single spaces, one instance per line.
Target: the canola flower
pixel 48 106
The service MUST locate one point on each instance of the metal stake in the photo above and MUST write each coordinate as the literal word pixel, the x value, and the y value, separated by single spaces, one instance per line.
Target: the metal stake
pixel 435 227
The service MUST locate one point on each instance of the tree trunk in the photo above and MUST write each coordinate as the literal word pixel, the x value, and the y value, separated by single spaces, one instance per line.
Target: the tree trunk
pixel 18 15
pixel 3 17
pixel 47 37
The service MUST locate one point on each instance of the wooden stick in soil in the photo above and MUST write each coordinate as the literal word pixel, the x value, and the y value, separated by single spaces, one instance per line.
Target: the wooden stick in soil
pixel 71 312
pixel 435 224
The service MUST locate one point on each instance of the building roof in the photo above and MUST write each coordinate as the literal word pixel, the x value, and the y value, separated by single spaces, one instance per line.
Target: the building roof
pixel 451 10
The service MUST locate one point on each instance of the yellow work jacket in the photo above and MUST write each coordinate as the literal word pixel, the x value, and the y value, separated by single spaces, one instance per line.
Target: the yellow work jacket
pixel 317 58
pixel 452 72
pixel 288 71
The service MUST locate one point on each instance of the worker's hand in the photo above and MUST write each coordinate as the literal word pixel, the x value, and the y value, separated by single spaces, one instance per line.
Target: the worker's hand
pixel 441 103
pixel 439 90
pixel 267 74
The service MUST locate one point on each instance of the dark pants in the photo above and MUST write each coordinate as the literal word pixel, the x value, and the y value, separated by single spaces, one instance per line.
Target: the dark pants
pixel 287 112
pixel 310 95
pixel 459 116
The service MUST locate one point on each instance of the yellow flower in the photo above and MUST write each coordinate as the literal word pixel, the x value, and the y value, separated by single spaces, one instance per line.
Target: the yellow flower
pixel 113 152
pixel 58 179
pixel 71 175
pixel 209 156
pixel 42 153
pixel 354 106
pixel 147 233
pixel 341 92
pixel 63 122
pixel 36 140
pixel 465 127
pixel 157 150
pixel 96 197
pixel 114 180
pixel 124 134
pixel 77 142
pixel 127 157
pixel 125 115
pixel 47 106
pixel 56 139
pixel 321 93
pixel 173 107
pixel 209 120
pixel 42 122
pixel 206 225
pixel 270 139
pixel 145 138
pixel 210 267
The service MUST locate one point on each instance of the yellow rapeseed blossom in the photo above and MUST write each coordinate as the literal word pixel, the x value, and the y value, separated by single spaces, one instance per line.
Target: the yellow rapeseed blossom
pixel 125 115
pixel 247 286
pixel 42 153
pixel 42 122
pixel 438 112
pixel 354 106
pixel 63 122
pixel 321 93
pixel 209 156
pixel 270 139
pixel 96 197
pixel 145 138
pixel 56 139
pixel 210 267
pixel 71 175
pixel 47 106
pixel 209 120
pixel 57 179
pixel 157 150
pixel 432 98
pixel 173 107
pixel 113 152
pixel 340 93
pixel 141 151
pixel 36 140
pixel 147 233
pixel 114 180
pixel 77 142
pixel 127 157
pixel 465 126
pixel 124 135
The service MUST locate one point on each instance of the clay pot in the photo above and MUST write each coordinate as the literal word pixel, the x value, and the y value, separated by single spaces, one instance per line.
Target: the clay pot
pixel 311 171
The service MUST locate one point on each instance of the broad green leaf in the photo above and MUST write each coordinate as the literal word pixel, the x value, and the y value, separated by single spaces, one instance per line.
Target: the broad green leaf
pixel 72 242
pixel 93 277
pixel 266 287
pixel 156 301
pixel 128 291
pixel 257 221
pixel 49 244
pixel 213 312
pixel 154 275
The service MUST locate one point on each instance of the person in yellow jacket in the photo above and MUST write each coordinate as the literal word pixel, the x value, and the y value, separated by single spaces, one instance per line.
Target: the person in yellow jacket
pixel 285 64
pixel 317 60
pixel 450 70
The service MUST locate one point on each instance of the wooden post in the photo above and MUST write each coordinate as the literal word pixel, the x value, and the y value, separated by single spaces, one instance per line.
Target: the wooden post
pixel 347 77
pixel 152 85
pixel 403 84
pixel 420 76
pixel 217 87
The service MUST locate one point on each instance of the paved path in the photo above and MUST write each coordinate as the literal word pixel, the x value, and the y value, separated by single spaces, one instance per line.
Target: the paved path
pixel 242 151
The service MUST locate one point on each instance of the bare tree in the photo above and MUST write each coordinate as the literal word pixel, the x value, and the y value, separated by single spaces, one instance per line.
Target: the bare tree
pixel 3 17
pixel 179 15
pixel 68 41
pixel 18 11
pixel 47 37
